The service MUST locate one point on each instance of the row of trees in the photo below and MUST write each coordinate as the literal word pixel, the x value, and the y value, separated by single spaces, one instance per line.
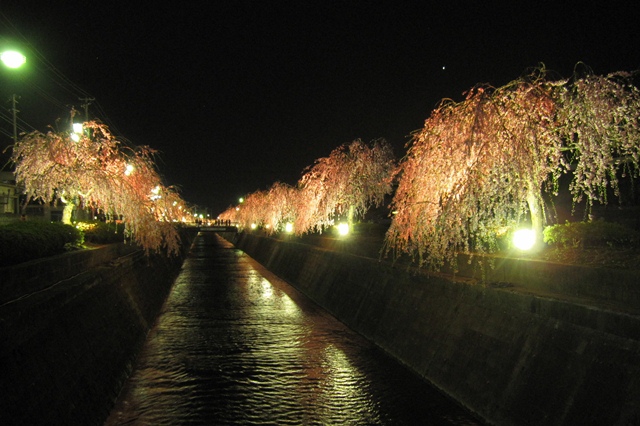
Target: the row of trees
pixel 483 164
pixel 93 169
pixel 477 166
pixel 344 186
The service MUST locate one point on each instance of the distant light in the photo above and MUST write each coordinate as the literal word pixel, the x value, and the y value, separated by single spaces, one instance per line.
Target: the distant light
pixel 155 193
pixel 13 59
pixel 128 170
pixel 75 137
pixel 254 226
pixel 343 229
pixel 524 239
pixel 241 200
pixel 288 228
pixel 77 128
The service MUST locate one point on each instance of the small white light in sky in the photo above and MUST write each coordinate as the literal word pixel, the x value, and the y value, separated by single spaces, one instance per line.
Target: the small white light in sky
pixel 443 67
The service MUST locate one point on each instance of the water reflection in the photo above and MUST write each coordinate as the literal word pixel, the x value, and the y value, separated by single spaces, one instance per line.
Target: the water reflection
pixel 236 345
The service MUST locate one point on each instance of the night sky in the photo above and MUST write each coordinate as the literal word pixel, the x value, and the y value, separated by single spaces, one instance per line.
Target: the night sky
pixel 236 95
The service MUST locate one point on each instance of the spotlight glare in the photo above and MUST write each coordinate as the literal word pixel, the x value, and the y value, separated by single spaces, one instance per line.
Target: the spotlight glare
pixel 343 229
pixel 524 239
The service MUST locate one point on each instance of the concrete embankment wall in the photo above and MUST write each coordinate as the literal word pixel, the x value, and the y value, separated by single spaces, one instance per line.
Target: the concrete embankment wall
pixel 68 343
pixel 512 355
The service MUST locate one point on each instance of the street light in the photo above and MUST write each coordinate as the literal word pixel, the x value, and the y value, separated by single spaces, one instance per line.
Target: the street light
pixel 13 59
pixel 77 131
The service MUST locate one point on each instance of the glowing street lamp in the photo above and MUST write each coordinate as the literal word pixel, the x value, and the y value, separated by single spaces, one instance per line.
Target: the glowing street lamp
pixel 77 131
pixel 13 59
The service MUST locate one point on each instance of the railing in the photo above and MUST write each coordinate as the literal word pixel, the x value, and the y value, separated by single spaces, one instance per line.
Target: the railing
pixel 219 228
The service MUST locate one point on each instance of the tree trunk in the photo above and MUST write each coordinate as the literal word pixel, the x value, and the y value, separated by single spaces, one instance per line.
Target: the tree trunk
pixel 67 211
pixel 536 213
pixel 350 215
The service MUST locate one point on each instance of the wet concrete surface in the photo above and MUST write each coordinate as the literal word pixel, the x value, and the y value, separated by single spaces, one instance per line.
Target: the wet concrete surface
pixel 234 344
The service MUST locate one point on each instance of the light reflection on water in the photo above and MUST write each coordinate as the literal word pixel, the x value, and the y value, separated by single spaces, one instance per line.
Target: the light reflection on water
pixel 236 345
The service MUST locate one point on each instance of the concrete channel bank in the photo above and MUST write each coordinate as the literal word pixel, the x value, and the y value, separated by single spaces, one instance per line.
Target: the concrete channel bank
pixel 513 354
pixel 70 328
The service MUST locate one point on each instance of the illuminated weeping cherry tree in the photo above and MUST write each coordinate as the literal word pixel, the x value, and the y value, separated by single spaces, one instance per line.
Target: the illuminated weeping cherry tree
pixel 280 209
pixel 481 165
pixel 349 181
pixel 270 210
pixel 475 167
pixel 96 171
pixel 252 211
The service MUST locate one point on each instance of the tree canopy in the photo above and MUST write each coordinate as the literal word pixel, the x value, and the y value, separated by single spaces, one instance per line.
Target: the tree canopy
pixel 480 166
pixel 478 169
pixel 97 171
pixel 345 184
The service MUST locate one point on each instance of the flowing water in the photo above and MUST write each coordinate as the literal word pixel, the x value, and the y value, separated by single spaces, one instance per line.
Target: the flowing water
pixel 234 344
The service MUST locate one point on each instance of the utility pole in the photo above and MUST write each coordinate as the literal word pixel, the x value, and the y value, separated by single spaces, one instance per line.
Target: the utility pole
pixel 14 101
pixel 85 105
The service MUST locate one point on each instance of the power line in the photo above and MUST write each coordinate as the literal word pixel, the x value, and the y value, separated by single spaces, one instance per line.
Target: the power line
pixel 50 72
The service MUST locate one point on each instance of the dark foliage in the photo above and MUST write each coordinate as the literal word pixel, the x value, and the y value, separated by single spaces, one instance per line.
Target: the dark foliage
pixel 591 234
pixel 105 233
pixel 24 241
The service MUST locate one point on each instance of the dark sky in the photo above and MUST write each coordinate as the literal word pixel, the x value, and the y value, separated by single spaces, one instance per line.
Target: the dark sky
pixel 237 95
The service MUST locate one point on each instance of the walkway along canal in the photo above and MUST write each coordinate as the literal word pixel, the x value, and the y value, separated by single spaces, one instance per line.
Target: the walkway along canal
pixel 234 344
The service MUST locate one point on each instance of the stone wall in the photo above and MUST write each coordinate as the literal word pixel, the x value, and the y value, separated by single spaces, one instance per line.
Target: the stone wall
pixel 36 275
pixel 512 353
pixel 69 337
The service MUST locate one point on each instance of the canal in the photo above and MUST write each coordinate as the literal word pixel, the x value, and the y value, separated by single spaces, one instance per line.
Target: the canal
pixel 234 344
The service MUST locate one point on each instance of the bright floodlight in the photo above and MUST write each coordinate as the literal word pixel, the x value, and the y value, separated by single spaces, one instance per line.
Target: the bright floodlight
pixel 524 239
pixel 129 169
pixel 288 228
pixel 13 59
pixel 343 229
pixel 77 128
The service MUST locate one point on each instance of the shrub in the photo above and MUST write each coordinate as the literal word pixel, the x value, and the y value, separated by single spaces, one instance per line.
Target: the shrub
pixel 24 241
pixel 591 234
pixel 102 232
